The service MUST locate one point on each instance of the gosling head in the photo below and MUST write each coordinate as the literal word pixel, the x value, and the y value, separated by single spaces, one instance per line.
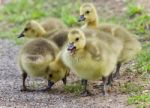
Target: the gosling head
pixel 56 72
pixel 32 29
pixel 76 39
pixel 88 13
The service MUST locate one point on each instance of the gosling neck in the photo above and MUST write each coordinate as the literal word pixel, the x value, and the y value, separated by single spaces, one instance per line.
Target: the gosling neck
pixel 41 31
pixel 92 24
pixel 42 34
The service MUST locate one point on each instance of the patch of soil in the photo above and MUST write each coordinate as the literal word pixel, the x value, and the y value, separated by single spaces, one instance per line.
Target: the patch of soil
pixel 10 95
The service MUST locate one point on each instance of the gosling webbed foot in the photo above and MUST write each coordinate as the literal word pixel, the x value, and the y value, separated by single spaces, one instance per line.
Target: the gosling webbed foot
pixel 85 93
pixel 24 89
pixel 98 86
pixel 104 94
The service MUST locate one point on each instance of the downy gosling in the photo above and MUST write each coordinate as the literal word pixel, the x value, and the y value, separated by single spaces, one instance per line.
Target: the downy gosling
pixel 89 57
pixel 131 46
pixel 34 30
pixel 35 58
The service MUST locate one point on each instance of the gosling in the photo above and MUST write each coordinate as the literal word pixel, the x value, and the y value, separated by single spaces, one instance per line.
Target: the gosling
pixel 35 30
pixel 34 60
pixel 90 57
pixel 131 46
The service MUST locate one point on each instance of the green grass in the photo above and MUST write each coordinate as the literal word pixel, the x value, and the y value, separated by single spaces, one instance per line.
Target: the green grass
pixel 74 88
pixel 134 9
pixel 143 59
pixel 15 14
pixel 22 10
pixel 65 12
pixel 142 101
pixel 139 23
pixel 136 97
pixel 131 88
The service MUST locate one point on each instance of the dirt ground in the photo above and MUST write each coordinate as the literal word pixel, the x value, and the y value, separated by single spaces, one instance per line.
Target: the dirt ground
pixel 10 95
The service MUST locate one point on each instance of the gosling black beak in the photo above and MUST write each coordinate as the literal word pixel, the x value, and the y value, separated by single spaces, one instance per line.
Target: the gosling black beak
pixel 82 18
pixel 21 35
pixel 50 84
pixel 71 47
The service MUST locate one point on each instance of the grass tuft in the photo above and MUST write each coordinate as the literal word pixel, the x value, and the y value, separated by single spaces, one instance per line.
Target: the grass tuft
pixel 139 99
pixel 143 59
pixel 133 10
pixel 131 88
pixel 74 88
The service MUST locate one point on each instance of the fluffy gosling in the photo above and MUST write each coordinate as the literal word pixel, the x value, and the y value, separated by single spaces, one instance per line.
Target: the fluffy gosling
pixel 35 30
pixel 90 57
pixel 131 46
pixel 34 59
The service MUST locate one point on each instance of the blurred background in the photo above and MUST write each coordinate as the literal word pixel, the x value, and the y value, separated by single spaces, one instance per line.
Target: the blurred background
pixel 132 14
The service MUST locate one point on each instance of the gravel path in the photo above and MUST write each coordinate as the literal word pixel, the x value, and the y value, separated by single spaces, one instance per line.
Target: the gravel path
pixel 10 95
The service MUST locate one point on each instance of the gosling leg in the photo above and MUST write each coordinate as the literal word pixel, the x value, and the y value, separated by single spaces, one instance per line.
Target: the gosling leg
pixel 24 76
pixel 110 80
pixel 117 73
pixel 64 80
pixel 105 80
pixel 85 91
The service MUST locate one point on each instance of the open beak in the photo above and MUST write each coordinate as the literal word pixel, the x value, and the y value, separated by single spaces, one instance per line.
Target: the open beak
pixel 21 35
pixel 71 47
pixel 82 18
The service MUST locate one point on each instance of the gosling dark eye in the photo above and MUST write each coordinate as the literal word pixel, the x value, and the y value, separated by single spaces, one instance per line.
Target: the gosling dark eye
pixel 77 39
pixel 87 12
pixel 50 75
pixel 26 29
